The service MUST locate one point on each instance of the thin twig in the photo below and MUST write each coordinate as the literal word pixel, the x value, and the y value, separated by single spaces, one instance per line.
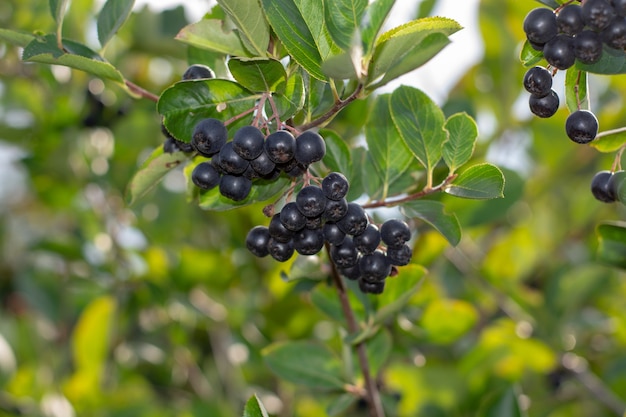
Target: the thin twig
pixel 337 107
pixel 141 92
pixel 426 191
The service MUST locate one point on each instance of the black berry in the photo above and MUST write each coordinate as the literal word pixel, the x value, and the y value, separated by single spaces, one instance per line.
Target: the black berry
pixel 374 267
pixel 248 142
pixel 395 233
pixel 310 147
pixel 559 52
pixel 280 146
pixel 230 161
pixel 278 230
pixel 600 187
pixel 368 241
pixel 336 209
pixel 619 6
pixel 400 256
pixel 281 251
pixel 614 35
pixel 355 221
pixel 351 272
pixel 197 72
pixel 308 241
pixel 335 186
pixel 581 126
pixel 291 217
pixel 570 20
pixel 333 234
pixel 371 287
pixel 588 47
pixel 205 176
pixel 257 240
pixel 235 187
pixel 344 255
pixel 544 106
pixel 311 201
pixel 262 164
pixel 209 135
pixel 540 25
pixel 538 81
pixel 597 14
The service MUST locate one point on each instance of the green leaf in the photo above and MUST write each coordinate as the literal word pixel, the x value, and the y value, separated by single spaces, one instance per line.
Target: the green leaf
pixel 462 134
pixel 420 123
pixel 388 151
pixel 433 213
pixel 305 363
pixel 502 403
pixel 210 34
pixel 408 47
pixel 262 190
pixel 619 178
pixel 91 336
pixel 446 321
pixel 398 291
pixel 250 21
pixel 260 75
pixel 343 18
pixel 378 349
pixel 312 11
pixel 111 18
pixel 609 141
pixel 482 181
pixel 372 21
pixel 185 103
pixel 612 244
pixel 576 90
pixel 341 404
pixel 340 67
pixel 292 30
pixel 254 408
pixel 44 50
pixel 612 62
pixel 57 9
pixel 151 172
pixel 337 156
pixel 529 55
pixel 290 97
pixel 17 38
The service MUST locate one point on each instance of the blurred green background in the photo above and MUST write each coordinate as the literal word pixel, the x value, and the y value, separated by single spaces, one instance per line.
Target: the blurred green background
pixel 159 310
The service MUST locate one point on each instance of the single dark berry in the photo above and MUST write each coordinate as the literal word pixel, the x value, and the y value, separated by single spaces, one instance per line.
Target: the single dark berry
pixel 169 145
pixel 344 255
pixel 172 144
pixel 235 187
pixel 619 6
pixel 400 256
pixel 614 36
pixel 581 126
pixel 335 186
pixel 395 233
pixel 352 272
pixel 248 142
pixel 278 230
pixel 257 240
pixel 355 221
pixel 272 176
pixel 281 251
pixel 287 166
pixel 250 173
pixel 597 14
pixel 335 209
pixel 559 52
pixel 540 25
pixel 368 241
pixel 310 147
pixel 291 217
pixel 588 47
pixel 311 201
pixel 280 146
pixel 230 161
pixel 600 187
pixel 308 241
pixel 375 267
pixel 544 106
pixel 333 234
pixel 371 287
pixel 198 72
pixel 205 176
pixel 263 164
pixel 537 46
pixel 570 20
pixel 209 135
pixel 538 81
pixel 296 171
pixel 314 222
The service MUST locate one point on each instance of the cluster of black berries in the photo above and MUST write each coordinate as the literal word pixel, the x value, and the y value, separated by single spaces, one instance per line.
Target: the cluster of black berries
pixel 604 185
pixel 321 215
pixel 250 155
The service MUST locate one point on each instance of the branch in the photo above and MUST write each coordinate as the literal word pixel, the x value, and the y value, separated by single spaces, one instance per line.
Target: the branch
pixel 141 92
pixel 373 396
pixel 337 107
pixel 426 191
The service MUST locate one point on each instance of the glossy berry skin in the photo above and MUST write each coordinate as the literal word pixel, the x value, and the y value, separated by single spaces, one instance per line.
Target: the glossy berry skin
pixel 248 142
pixel 198 72
pixel 395 233
pixel 538 81
pixel 335 209
pixel 588 47
pixel 544 107
pixel 614 35
pixel 280 146
pixel 581 126
pixel 597 14
pixel 262 164
pixel 172 144
pixel 335 186
pixel 308 241
pixel 205 176
pixel 235 187
pixel 344 255
pixel 353 272
pixel 169 146
pixel 292 218
pixel 281 251
pixel 314 222
pixel 368 241
pixel 570 20
pixel 600 187
pixel 278 230
pixel 540 25
pixel 310 147
pixel 375 267
pixel 559 52
pixel 230 161
pixel 333 234
pixel 209 135
pixel 371 287
pixel 355 221
pixel 311 201
pixel 257 240
pixel 400 256
pixel 619 6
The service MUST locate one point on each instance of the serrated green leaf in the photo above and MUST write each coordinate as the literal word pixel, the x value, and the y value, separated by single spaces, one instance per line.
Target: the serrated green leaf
pixel 378 349
pixel 343 18
pixel 111 18
pixel 482 181
pixel 305 363
pixel 420 123
pixel 292 30
pixel 57 9
pixel 250 21
pixel 16 38
pixel 151 172
pixel 462 134
pixel 407 47
pixel 433 213
pixel 612 62
pixel 340 404
pixel 312 11
pixel 529 55
pixel 45 50
pixel 262 190
pixel 254 408
pixel 576 90
pixel 373 184
pixel 185 103
pixel 609 141
pixel 290 97
pixel 372 21
pixel 259 75
pixel 612 244
pixel 340 67
pixel 210 34
pixel 388 151
pixel 398 292
pixel 337 156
